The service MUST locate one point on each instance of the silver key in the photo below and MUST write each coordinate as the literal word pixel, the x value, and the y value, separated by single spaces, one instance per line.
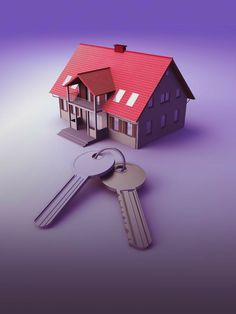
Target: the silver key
pixel 125 183
pixel 86 166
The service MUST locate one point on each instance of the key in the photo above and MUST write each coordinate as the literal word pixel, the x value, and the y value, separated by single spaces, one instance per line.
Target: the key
pixel 85 166
pixel 125 184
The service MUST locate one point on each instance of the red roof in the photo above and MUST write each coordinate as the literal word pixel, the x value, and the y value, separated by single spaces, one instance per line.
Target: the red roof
pixel 131 71
pixel 99 81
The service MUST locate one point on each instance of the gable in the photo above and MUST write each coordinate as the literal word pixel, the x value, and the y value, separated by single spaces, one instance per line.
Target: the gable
pixel 181 80
pixel 98 81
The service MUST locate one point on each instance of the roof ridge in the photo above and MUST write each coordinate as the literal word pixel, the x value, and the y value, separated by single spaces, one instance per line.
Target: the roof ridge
pixel 93 70
pixel 129 51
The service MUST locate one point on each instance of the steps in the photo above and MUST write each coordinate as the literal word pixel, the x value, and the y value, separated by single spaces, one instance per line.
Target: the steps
pixel 79 137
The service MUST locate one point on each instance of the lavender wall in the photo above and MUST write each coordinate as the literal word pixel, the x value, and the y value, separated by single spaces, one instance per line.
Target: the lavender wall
pixel 83 264
pixel 141 18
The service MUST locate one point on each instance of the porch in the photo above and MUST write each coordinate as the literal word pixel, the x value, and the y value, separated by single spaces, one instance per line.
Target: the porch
pixel 83 103
pixel 81 137
pixel 77 136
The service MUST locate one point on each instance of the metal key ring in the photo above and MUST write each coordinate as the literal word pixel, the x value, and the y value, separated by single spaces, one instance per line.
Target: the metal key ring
pixel 114 149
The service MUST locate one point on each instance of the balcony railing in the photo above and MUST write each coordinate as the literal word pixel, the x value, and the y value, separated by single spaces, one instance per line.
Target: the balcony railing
pixel 83 103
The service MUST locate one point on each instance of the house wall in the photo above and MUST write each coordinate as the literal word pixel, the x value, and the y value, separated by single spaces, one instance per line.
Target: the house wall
pixel 169 83
pixel 64 113
pixel 120 134
pixel 82 90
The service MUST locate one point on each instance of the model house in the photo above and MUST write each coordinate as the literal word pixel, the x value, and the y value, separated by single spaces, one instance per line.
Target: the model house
pixel 131 97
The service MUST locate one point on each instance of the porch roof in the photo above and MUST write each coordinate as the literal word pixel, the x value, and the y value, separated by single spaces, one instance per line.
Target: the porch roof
pixel 99 81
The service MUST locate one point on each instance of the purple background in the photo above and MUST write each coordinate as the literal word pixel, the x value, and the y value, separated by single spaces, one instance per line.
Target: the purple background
pixel 83 264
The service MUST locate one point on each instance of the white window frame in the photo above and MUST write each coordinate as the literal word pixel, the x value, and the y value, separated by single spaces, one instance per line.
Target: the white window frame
pixel 129 130
pixel 116 123
pixel 119 95
pixel 98 99
pixel 148 127
pixel 163 121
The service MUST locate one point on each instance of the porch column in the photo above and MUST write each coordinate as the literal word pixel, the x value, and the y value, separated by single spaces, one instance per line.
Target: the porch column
pixel 68 99
pixel 87 122
pixel 67 93
pixel 95 114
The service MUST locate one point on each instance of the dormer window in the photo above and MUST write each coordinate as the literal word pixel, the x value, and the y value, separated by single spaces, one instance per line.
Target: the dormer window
pixel 67 80
pixel 119 95
pixel 132 99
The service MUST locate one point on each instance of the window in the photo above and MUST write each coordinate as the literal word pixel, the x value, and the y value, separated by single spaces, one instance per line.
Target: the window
pixel 150 103
pixel 129 129
pixel 167 72
pixel 116 124
pixel 167 96
pixel 176 115
pixel 91 120
pixel 74 86
pixel 162 98
pixel 163 121
pixel 148 127
pixel 72 109
pixel 64 105
pixel 89 94
pixel 178 93
pixel 98 100
pixel 119 95
pixel 67 79
pixel 132 99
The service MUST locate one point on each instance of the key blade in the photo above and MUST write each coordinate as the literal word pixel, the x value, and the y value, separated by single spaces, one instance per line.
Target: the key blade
pixel 134 220
pixel 57 204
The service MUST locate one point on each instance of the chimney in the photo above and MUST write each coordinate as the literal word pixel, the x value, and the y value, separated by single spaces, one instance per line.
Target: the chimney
pixel 120 48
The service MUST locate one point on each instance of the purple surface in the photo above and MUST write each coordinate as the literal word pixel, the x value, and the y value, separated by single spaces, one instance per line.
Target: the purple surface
pixel 83 264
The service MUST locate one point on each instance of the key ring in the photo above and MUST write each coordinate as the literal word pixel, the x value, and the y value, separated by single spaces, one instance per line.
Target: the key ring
pixel 114 149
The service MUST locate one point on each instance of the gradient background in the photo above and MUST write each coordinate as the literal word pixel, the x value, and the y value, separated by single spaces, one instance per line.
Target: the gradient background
pixel 83 264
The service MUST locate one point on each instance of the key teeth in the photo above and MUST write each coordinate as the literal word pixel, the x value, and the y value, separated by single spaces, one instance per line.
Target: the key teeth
pixel 127 227
pixel 126 223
